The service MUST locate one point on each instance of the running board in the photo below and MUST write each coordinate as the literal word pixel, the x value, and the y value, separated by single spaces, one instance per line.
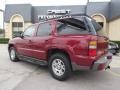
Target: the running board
pixel 33 60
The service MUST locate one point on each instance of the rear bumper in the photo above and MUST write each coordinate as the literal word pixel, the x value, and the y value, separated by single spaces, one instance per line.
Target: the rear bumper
pixel 99 64
pixel 102 63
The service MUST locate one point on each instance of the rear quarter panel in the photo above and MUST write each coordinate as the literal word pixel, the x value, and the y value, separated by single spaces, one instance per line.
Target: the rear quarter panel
pixel 75 45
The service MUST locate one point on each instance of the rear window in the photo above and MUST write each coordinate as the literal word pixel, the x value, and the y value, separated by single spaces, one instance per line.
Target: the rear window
pixel 99 29
pixel 71 26
pixel 95 27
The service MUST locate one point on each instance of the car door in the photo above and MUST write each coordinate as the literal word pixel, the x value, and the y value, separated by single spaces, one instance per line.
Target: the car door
pixel 41 41
pixel 25 41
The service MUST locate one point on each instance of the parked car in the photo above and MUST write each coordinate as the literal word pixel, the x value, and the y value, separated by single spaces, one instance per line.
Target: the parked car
pixel 65 44
pixel 113 48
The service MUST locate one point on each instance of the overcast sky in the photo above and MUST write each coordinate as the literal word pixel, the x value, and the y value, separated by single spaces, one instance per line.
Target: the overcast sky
pixel 43 3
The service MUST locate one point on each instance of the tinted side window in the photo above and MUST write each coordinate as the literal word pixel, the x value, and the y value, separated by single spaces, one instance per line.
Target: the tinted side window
pixel 65 29
pixel 29 31
pixel 44 29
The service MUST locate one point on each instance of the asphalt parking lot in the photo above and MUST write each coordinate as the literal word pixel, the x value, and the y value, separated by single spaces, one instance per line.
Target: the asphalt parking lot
pixel 26 76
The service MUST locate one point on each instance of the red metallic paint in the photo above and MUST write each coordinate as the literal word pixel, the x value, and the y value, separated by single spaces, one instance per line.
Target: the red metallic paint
pixel 77 46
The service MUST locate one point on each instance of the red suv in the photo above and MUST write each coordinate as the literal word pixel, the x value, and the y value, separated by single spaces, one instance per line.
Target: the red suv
pixel 66 43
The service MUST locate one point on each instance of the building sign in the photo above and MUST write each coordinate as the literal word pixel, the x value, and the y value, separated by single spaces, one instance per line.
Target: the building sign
pixel 63 11
pixel 54 14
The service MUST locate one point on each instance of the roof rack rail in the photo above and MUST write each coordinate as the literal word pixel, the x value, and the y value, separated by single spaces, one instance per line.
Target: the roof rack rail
pixel 65 16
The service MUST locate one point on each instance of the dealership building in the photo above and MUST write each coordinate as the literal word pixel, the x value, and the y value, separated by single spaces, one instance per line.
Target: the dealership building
pixel 20 16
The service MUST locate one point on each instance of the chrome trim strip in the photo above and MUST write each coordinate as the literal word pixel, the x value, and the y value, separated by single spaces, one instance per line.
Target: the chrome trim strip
pixel 32 50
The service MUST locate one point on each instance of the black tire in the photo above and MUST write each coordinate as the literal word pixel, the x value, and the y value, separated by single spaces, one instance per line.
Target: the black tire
pixel 114 53
pixel 15 59
pixel 64 59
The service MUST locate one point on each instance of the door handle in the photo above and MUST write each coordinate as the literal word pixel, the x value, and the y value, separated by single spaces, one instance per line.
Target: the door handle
pixel 46 40
pixel 30 41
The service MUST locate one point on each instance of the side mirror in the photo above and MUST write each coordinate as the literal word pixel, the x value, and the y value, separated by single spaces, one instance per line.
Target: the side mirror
pixel 22 36
pixel 17 35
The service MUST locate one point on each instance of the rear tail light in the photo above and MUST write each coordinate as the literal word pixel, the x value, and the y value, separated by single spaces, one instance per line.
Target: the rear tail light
pixel 92 48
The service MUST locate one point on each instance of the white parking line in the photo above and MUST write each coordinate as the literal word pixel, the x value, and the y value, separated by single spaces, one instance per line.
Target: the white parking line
pixel 113 73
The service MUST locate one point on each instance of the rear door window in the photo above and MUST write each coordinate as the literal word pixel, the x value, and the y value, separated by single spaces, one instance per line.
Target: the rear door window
pixel 44 29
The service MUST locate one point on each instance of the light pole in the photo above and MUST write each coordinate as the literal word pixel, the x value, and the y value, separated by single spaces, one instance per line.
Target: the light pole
pixel 3 20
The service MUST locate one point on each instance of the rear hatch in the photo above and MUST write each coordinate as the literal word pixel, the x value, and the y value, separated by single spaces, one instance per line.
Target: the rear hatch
pixel 102 39
pixel 102 46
